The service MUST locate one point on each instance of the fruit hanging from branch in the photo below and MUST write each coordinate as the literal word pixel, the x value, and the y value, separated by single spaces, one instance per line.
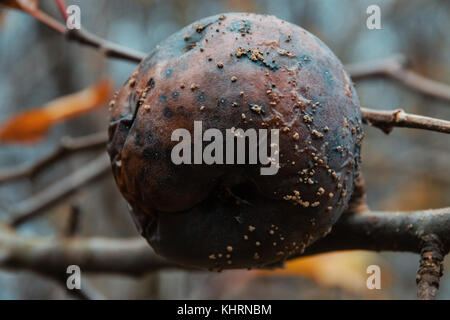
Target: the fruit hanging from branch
pixel 237 71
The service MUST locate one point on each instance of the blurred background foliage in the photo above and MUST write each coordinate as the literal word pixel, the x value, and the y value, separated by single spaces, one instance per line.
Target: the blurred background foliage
pixel 409 169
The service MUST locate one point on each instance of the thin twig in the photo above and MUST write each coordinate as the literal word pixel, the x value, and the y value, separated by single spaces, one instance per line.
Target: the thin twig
pixel 386 120
pixel 62 7
pixel 394 68
pixel 37 204
pixel 67 146
pixel 45 19
pixel 107 48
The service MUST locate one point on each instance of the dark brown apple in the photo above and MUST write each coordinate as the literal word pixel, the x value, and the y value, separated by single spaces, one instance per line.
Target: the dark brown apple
pixel 244 71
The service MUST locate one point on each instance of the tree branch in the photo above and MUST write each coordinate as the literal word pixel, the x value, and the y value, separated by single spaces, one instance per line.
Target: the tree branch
pixel 51 257
pixel 389 231
pixel 45 19
pixel 107 48
pixel 383 119
pixel 67 146
pixel 36 205
pixel 386 231
pixel 386 120
pixel 424 232
pixel 394 68
pixel 431 268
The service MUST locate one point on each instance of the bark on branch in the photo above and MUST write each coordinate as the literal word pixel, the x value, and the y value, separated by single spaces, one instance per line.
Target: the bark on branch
pixel 379 230
pixel 51 257
pixel 387 231
pixel 431 268
pixel 107 48
pixel 386 120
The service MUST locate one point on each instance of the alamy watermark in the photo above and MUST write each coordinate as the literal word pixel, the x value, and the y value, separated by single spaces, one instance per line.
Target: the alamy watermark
pixel 73 17
pixel 228 149
pixel 374 280
pixel 374 19
pixel 74 280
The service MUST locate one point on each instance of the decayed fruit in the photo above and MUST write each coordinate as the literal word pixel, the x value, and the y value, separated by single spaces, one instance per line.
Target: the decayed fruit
pixel 237 71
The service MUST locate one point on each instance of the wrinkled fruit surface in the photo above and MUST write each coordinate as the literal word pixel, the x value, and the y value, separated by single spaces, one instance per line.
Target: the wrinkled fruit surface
pixel 229 216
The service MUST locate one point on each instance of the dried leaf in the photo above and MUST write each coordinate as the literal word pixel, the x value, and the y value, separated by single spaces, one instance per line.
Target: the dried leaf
pixel 32 125
pixel 346 270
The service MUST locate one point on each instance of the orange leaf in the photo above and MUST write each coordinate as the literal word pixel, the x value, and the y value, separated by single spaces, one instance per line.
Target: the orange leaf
pixel 346 270
pixel 31 125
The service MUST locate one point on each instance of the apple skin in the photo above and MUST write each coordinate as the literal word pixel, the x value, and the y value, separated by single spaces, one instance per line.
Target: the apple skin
pixel 225 216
